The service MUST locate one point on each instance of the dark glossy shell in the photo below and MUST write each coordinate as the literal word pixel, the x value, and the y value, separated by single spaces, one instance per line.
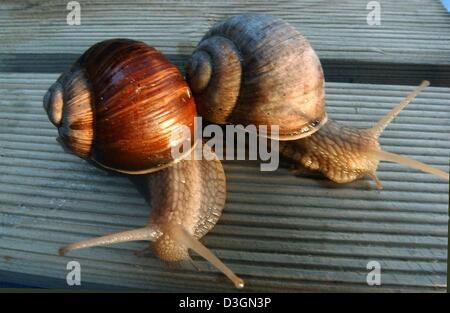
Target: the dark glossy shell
pixel 132 103
pixel 257 69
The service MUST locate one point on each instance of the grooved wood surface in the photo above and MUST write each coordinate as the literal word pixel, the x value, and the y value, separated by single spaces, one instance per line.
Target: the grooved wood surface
pixel 278 231
pixel 412 42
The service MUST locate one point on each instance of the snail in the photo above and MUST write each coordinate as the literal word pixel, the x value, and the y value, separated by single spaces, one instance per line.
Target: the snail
pixel 123 105
pixel 258 69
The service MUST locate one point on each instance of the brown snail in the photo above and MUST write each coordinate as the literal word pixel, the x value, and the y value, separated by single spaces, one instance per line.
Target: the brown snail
pixel 123 105
pixel 257 69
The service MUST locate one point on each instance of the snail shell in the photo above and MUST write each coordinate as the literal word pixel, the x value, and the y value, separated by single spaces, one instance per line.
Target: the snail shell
pixel 123 105
pixel 257 69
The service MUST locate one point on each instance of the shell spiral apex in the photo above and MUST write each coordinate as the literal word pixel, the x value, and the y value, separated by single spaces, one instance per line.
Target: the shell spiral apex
pixel 257 69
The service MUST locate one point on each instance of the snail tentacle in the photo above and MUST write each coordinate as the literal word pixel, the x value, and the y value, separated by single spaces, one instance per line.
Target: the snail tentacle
pixel 379 127
pixel 182 236
pixel 149 232
pixel 383 155
pixel 375 178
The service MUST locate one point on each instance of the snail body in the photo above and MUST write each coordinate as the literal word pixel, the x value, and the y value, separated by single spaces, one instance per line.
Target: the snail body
pixel 187 200
pixel 124 106
pixel 344 154
pixel 341 153
pixel 267 73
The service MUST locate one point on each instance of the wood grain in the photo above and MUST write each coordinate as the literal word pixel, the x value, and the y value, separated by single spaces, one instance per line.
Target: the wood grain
pixel 411 44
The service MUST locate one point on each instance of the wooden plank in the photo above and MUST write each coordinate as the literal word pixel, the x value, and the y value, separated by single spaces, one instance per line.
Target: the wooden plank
pixel 280 232
pixel 411 44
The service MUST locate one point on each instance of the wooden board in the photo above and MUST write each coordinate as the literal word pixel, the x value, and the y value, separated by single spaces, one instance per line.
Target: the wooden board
pixel 278 231
pixel 412 42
